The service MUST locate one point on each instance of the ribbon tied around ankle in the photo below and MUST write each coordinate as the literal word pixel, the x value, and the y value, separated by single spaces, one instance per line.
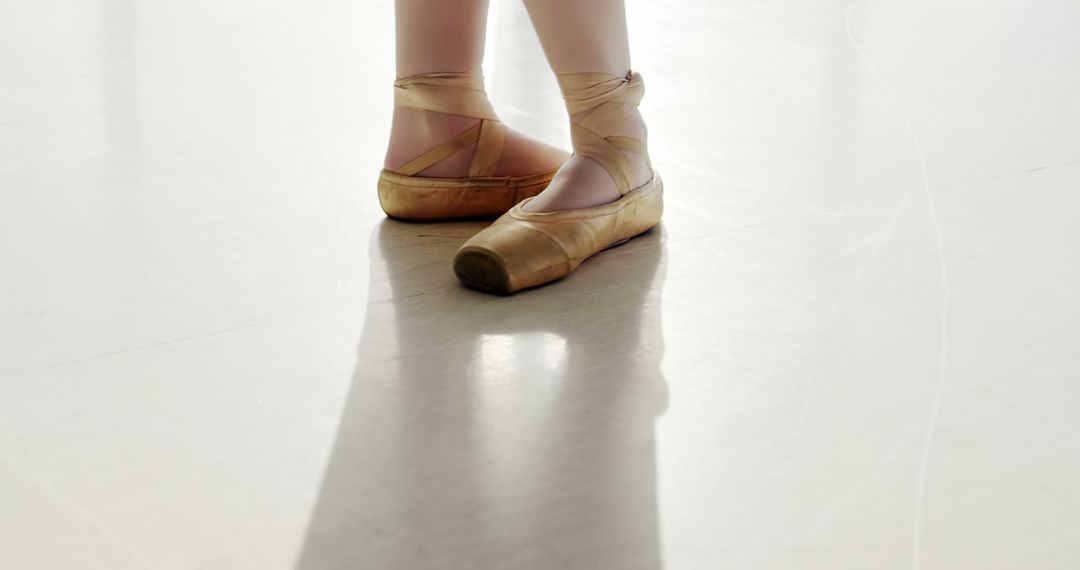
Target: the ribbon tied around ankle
pixel 456 93
pixel 607 101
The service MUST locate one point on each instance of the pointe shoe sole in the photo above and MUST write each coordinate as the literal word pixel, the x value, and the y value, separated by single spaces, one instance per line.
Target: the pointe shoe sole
pixel 522 250
pixel 420 199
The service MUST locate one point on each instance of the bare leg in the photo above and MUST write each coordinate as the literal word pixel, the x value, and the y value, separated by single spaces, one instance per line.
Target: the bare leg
pixel 433 35
pixel 437 36
pixel 580 36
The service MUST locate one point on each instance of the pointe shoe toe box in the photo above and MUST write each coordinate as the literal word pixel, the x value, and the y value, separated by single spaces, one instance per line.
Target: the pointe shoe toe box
pixel 511 256
pixel 522 250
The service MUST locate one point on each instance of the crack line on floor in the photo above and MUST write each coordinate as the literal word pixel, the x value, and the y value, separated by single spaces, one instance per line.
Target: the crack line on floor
pixel 943 338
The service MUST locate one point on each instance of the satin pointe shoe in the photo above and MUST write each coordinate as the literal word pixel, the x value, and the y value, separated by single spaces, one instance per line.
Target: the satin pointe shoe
pixel 526 249
pixel 404 195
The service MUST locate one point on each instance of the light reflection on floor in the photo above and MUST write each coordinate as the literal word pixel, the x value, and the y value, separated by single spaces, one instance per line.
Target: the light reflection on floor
pixel 852 344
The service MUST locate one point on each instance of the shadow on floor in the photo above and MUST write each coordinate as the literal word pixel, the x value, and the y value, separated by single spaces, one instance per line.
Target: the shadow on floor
pixel 501 433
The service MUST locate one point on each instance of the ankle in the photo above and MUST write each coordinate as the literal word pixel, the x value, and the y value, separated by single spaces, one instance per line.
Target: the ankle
pixel 634 127
pixel 413 132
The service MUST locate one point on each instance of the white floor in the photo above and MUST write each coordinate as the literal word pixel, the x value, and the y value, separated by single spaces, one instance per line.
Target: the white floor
pixel 854 344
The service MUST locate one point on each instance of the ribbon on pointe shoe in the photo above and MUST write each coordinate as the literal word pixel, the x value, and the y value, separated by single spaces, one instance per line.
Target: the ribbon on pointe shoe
pixel 454 93
pixel 607 101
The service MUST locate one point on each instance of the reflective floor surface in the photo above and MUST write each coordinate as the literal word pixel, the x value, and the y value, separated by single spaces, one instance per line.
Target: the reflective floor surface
pixel 854 343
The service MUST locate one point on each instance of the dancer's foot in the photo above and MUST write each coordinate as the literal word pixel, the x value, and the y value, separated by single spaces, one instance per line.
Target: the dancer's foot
pixel 586 210
pixel 584 183
pixel 414 132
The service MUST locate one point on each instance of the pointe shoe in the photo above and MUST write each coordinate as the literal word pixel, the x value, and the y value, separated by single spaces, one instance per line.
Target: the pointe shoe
pixel 406 196
pixel 526 249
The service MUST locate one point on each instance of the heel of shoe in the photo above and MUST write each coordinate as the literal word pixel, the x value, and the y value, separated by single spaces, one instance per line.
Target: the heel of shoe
pixel 419 199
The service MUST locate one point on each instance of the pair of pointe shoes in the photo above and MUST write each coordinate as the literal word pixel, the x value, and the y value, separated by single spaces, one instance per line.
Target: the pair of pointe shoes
pixel 523 249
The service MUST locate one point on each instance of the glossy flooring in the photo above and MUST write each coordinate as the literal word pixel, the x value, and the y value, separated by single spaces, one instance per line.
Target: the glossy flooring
pixel 854 343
